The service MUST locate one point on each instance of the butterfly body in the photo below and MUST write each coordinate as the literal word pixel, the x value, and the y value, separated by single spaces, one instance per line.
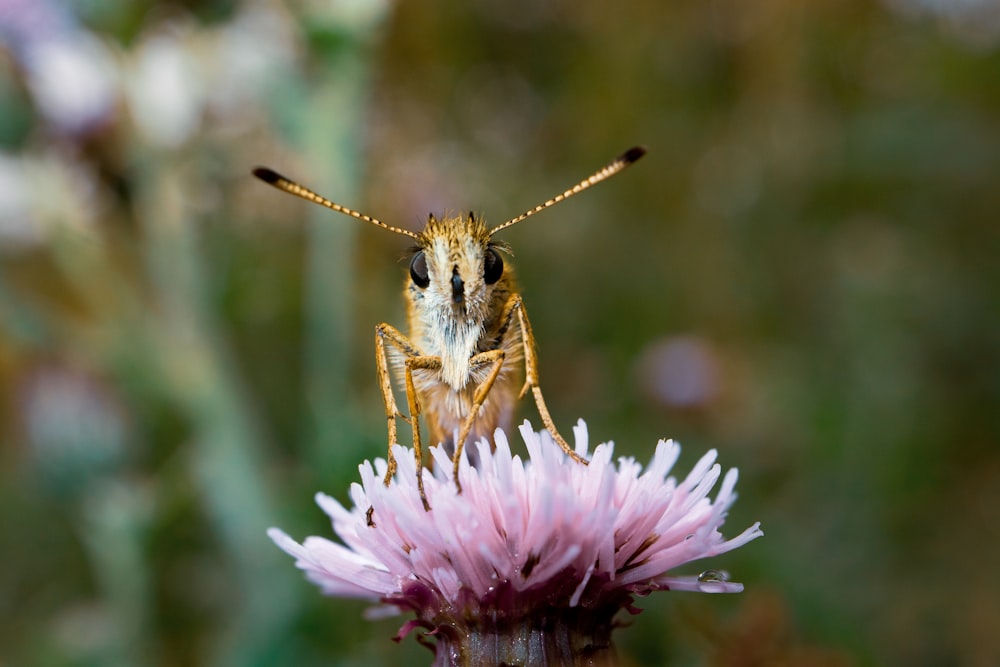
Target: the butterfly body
pixel 469 352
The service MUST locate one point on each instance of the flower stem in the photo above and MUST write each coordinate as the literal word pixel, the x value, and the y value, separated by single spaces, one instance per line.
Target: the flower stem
pixel 573 636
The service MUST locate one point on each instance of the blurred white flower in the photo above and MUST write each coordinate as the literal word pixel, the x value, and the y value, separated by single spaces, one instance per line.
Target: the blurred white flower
pixel 73 80
pixel 42 192
pixel 70 73
pixel 74 426
pixel 975 21
pixel 250 53
pixel 166 90
pixel 355 15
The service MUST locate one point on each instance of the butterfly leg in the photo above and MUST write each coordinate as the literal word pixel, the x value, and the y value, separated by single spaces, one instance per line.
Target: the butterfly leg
pixel 386 334
pixel 516 306
pixel 494 357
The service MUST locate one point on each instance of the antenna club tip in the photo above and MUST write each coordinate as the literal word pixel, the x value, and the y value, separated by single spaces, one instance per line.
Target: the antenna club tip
pixel 633 154
pixel 267 175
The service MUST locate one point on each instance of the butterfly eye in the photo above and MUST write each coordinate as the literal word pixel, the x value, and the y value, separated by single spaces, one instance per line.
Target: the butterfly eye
pixel 418 270
pixel 492 266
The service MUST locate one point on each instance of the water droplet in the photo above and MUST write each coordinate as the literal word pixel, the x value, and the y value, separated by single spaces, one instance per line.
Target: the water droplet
pixel 713 581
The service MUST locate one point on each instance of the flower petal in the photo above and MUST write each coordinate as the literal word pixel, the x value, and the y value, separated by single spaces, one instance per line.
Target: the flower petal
pixel 550 531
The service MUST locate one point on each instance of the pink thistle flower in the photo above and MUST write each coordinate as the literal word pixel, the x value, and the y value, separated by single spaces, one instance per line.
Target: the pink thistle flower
pixel 531 562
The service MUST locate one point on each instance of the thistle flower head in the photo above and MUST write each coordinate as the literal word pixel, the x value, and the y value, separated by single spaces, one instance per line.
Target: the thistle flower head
pixel 538 539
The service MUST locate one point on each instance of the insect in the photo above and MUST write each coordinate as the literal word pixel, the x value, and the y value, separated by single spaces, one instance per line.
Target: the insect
pixel 469 333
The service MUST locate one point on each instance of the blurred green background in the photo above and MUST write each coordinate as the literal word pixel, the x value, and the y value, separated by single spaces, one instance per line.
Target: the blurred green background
pixel 802 273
